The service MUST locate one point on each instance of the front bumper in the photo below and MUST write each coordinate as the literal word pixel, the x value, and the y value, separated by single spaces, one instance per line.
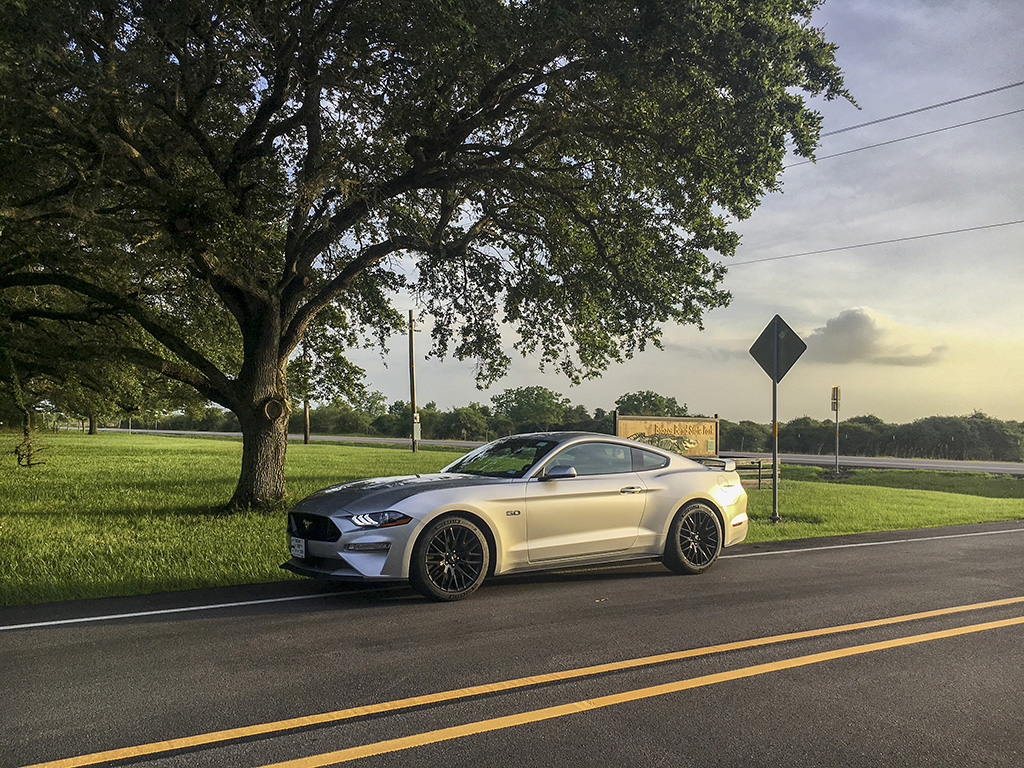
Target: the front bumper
pixel 330 569
pixel 331 547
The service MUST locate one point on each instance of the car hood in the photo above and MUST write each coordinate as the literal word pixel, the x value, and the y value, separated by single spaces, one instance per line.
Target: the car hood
pixel 381 493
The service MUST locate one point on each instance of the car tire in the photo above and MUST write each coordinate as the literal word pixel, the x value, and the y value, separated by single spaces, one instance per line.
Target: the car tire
pixel 694 539
pixel 449 560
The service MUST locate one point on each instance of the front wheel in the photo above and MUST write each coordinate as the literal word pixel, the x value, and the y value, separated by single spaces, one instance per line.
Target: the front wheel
pixel 694 539
pixel 449 560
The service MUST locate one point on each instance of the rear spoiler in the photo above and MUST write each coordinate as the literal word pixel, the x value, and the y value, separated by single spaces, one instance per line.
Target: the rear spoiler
pixel 713 462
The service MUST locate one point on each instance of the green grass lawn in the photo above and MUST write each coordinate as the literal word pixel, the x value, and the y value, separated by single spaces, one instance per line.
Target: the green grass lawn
pixel 810 509
pixel 813 501
pixel 117 514
pixel 964 483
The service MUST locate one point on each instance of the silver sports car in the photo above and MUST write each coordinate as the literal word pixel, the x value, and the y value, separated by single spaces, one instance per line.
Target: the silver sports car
pixel 521 503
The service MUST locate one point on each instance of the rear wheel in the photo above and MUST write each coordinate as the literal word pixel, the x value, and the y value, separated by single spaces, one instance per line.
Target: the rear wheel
pixel 694 539
pixel 449 560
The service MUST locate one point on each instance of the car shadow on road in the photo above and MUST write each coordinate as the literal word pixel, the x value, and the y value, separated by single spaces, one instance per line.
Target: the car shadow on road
pixel 277 600
pixel 618 572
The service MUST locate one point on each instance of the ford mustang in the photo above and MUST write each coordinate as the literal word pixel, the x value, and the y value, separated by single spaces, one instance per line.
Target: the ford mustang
pixel 521 503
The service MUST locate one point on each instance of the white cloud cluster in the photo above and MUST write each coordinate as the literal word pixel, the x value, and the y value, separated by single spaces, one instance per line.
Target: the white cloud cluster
pixel 861 335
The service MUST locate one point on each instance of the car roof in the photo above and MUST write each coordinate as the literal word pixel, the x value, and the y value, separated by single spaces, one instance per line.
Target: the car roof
pixel 561 435
pixel 572 436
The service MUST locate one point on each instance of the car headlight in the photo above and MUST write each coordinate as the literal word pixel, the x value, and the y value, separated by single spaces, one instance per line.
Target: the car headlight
pixel 380 519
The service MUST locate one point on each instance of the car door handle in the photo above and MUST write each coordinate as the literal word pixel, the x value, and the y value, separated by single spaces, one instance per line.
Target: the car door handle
pixel 631 489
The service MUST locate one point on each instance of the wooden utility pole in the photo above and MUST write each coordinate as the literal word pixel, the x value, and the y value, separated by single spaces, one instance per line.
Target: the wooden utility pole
pixel 305 397
pixel 412 384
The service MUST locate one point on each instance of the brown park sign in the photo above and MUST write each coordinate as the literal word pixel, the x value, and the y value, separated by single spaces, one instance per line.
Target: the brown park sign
pixel 691 436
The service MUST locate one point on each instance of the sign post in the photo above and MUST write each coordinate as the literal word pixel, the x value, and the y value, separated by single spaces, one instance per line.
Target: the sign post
pixel 775 350
pixel 835 407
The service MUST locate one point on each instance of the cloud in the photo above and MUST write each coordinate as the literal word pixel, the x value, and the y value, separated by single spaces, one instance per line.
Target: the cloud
pixel 861 335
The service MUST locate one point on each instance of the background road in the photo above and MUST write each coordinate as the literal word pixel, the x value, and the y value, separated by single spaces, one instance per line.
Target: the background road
pixel 940 689
pixel 888 462
pixel 361 439
pixel 991 467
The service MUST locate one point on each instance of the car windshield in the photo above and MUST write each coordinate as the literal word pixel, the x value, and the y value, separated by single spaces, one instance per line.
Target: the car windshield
pixel 511 457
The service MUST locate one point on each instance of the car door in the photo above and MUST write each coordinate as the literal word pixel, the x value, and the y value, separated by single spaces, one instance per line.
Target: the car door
pixel 596 512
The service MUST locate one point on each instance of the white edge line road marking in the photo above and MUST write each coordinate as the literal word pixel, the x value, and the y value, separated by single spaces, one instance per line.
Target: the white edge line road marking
pixel 164 611
pixel 240 604
pixel 801 550
pixel 870 544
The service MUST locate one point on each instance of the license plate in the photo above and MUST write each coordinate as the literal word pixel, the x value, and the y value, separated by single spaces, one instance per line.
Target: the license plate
pixel 298 547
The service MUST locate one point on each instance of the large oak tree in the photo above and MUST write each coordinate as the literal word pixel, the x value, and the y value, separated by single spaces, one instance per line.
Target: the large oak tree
pixel 220 178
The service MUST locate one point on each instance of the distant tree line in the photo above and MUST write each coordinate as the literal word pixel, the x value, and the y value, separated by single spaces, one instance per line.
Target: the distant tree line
pixel 976 437
pixel 535 408
pixel 523 409
pixel 530 409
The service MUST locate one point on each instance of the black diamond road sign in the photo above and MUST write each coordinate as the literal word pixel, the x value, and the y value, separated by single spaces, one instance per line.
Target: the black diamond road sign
pixel 777 348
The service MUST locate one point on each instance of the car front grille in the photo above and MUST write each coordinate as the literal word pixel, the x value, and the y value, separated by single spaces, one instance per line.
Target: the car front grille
pixel 312 527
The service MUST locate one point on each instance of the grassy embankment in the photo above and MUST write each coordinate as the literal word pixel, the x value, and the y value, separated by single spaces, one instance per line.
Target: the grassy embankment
pixel 813 502
pixel 116 514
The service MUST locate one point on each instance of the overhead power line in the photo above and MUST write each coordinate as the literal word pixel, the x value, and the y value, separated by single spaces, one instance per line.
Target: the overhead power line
pixel 907 138
pixel 924 109
pixel 879 242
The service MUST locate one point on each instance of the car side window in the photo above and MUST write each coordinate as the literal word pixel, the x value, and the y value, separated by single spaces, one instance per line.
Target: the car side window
pixel 647 460
pixel 595 458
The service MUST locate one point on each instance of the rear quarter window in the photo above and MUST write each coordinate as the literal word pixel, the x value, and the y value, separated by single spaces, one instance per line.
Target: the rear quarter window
pixel 644 460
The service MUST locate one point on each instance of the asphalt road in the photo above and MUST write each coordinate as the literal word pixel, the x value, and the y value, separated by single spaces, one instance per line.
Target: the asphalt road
pixel 874 650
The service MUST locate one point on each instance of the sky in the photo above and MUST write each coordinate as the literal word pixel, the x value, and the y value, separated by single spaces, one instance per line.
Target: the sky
pixel 921 327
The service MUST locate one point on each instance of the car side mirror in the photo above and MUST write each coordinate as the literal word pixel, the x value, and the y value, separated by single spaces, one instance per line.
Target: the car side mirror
pixel 559 472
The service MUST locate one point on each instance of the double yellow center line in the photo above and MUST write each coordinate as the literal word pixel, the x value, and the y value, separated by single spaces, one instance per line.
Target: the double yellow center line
pixel 333 758
pixel 549 713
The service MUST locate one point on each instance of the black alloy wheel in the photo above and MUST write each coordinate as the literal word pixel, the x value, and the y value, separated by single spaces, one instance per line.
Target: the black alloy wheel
pixel 450 559
pixel 694 539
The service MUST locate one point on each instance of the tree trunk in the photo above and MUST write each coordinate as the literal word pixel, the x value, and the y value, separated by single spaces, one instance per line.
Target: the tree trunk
pixel 93 426
pixel 261 404
pixel 264 441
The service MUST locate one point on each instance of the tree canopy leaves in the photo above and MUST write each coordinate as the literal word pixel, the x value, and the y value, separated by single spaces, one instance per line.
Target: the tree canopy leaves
pixel 218 179
pixel 649 403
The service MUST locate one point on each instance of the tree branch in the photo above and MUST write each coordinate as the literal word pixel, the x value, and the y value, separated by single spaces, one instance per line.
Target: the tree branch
pixel 215 378
pixel 367 258
pixel 184 374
